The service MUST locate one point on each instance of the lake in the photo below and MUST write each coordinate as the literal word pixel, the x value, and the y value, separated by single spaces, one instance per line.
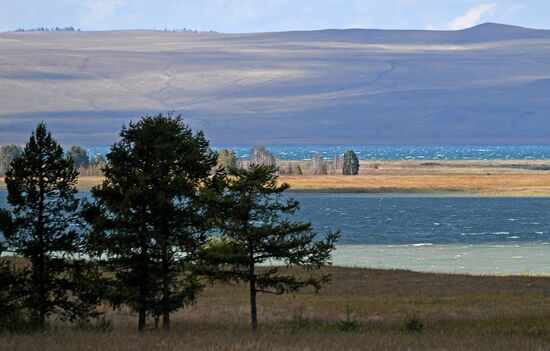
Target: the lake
pixel 432 233
pixel 392 153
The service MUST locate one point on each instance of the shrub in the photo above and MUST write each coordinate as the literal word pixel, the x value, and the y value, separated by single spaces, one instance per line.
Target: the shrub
pixel 413 323
pixel 348 324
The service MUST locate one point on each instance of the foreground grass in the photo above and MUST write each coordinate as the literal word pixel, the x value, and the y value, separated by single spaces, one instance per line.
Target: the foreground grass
pixel 459 312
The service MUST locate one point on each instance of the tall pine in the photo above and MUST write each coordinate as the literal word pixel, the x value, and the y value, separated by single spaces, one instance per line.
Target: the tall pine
pixel 147 221
pixel 41 225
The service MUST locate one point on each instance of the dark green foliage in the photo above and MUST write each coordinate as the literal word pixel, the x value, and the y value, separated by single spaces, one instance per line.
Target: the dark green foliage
pixel 147 219
pixel 348 324
pixel 12 291
pixel 79 155
pixel 413 323
pixel 41 226
pixel 7 154
pixel 351 163
pixel 256 230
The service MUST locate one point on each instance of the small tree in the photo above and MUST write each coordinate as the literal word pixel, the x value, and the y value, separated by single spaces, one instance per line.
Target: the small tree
pixel 8 153
pixel 351 164
pixel 259 155
pixel 227 158
pixel 41 186
pixel 79 155
pixel 256 230
pixel 146 220
pixel 318 166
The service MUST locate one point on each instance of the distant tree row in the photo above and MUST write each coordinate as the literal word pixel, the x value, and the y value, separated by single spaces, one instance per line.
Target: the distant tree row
pixel 85 164
pixel 164 222
pixel 46 29
pixel 259 155
pixel 187 30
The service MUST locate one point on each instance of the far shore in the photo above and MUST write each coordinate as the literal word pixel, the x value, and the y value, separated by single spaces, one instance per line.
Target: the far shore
pixel 479 178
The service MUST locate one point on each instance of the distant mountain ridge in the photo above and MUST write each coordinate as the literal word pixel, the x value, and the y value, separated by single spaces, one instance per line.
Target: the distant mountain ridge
pixel 488 84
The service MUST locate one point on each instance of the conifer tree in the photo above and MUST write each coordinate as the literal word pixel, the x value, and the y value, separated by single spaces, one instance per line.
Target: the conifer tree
pixel 146 219
pixel 351 164
pixel 42 223
pixel 256 229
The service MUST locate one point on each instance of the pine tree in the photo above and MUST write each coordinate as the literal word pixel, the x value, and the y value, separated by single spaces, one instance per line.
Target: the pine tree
pixel 351 164
pixel 146 219
pixel 41 225
pixel 256 230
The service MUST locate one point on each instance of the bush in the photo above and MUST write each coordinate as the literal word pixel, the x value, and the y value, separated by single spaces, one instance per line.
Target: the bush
pixel 299 322
pixel 349 324
pixel 413 323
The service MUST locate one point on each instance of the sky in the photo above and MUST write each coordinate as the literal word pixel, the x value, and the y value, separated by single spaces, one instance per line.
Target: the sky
pixel 233 16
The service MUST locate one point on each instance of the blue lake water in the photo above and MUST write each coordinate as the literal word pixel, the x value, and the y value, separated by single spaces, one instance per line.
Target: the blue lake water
pixel 456 234
pixel 381 153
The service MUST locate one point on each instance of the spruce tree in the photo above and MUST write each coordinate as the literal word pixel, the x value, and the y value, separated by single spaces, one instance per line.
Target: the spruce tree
pixel 256 230
pixel 41 225
pixel 351 163
pixel 146 219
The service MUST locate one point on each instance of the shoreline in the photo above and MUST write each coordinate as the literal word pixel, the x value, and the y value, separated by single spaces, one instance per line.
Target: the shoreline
pixel 513 259
pixel 492 178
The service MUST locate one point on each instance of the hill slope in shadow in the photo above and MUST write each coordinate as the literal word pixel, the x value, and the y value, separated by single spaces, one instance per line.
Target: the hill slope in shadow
pixel 486 84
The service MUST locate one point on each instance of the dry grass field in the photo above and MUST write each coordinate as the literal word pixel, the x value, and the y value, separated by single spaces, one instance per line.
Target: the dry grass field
pixel 505 178
pixel 459 312
pixel 494 178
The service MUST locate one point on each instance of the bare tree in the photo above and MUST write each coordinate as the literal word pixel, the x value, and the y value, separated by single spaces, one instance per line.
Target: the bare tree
pixel 318 165
pixel 259 155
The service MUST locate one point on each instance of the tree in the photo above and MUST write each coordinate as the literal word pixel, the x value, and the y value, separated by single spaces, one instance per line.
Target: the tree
pixel 259 155
pixel 8 153
pixel 146 219
pixel 351 163
pixel 318 165
pixel 227 158
pixel 79 155
pixel 256 230
pixel 41 226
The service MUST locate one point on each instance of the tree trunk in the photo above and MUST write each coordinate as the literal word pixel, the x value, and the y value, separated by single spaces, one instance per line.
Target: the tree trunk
pixel 41 263
pixel 253 309
pixel 143 286
pixel 141 319
pixel 165 287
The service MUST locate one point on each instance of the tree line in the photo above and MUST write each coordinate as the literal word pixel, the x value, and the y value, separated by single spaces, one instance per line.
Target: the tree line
pixel 166 220
pixel 346 165
pixel 227 158
pixel 83 162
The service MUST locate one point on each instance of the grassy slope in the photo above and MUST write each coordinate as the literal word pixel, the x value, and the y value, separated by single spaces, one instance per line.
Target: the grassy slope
pixel 460 313
pixel 486 85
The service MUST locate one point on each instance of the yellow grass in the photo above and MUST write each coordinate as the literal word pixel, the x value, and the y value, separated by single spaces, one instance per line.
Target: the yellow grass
pixel 513 178
pixel 495 178
pixel 460 312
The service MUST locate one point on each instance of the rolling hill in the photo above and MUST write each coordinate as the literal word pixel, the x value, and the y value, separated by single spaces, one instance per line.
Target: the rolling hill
pixel 483 85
